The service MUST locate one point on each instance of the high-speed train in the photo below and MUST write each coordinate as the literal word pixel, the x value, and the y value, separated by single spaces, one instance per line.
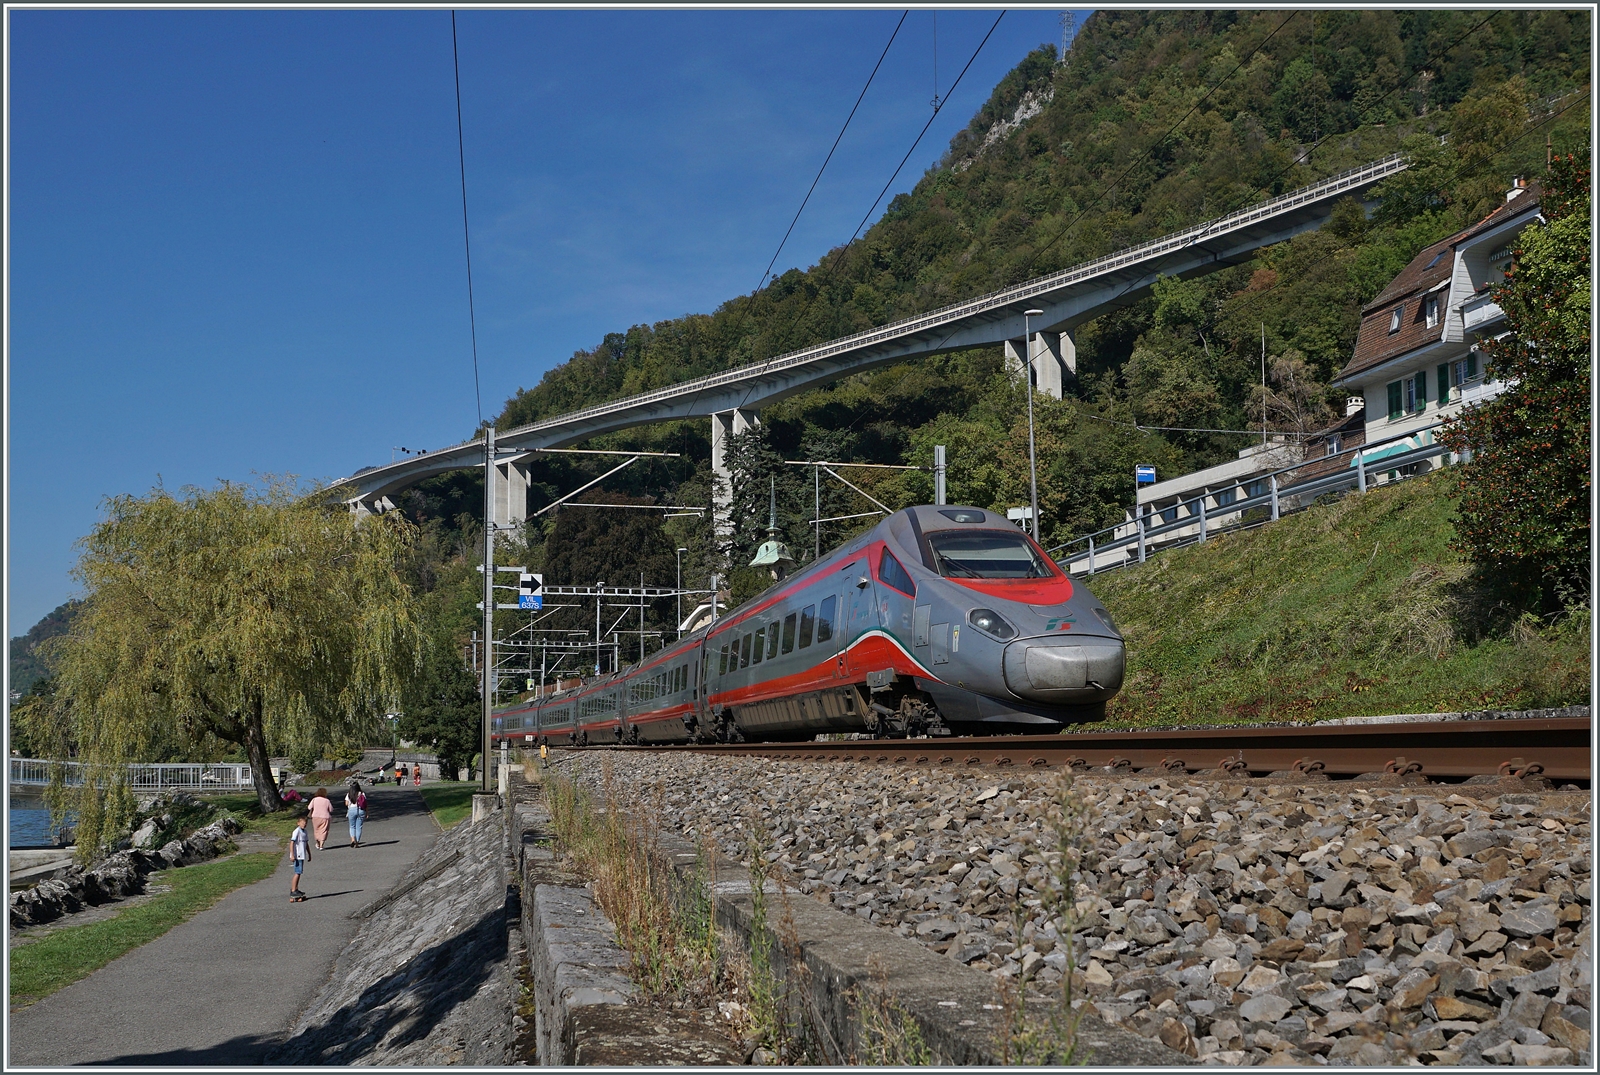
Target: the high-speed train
pixel 937 621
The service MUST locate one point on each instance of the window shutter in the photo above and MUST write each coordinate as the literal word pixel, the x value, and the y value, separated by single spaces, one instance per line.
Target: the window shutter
pixel 1395 406
pixel 1472 364
pixel 1444 383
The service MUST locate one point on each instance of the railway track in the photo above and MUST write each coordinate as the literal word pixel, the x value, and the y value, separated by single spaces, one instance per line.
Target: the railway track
pixel 1557 748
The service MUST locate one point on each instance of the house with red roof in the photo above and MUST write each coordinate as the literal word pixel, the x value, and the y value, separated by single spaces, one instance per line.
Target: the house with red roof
pixel 1416 359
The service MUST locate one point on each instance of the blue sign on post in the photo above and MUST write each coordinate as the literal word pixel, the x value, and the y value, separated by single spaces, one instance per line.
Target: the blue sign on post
pixel 530 591
pixel 1144 475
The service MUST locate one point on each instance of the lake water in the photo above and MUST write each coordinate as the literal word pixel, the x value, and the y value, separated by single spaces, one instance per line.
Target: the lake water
pixel 29 823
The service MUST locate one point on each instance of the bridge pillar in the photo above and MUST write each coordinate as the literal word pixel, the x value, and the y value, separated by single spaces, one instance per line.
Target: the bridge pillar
pixel 361 508
pixel 510 494
pixel 1054 361
pixel 726 424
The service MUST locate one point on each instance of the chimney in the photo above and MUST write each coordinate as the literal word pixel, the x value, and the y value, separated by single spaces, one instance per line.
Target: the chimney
pixel 1517 187
pixel 1352 404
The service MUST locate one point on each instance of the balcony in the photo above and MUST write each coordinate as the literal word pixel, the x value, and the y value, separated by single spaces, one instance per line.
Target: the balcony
pixel 1480 310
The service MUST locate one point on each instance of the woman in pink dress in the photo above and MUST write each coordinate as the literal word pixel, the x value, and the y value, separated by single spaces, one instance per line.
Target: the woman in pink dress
pixel 321 815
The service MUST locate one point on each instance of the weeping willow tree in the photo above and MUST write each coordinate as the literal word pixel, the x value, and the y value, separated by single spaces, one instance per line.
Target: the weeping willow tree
pixel 249 615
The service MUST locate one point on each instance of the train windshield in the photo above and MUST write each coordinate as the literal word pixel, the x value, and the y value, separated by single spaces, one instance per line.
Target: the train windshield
pixel 987 554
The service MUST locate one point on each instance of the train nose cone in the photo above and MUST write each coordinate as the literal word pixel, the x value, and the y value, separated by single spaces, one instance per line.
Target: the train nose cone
pixel 1051 670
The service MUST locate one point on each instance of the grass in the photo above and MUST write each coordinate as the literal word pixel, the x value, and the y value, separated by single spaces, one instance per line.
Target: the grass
pixel 450 804
pixel 1353 608
pixel 65 956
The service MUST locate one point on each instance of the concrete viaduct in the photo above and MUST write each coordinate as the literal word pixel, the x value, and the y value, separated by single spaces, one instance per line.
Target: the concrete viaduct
pixel 733 398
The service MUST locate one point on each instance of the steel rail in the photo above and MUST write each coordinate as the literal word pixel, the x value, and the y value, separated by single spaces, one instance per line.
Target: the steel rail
pixel 1555 747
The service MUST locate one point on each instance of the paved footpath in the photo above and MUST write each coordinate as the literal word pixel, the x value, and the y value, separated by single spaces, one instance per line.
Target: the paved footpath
pixel 227 985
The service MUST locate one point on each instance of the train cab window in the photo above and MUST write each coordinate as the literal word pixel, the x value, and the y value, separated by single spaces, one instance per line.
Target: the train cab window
pixel 760 646
pixel 772 640
pixel 744 652
pixel 987 554
pixel 892 574
pixel 825 619
pixel 788 633
pixel 808 621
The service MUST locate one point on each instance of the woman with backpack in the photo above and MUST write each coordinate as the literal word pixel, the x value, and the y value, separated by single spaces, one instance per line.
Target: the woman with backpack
pixel 355 804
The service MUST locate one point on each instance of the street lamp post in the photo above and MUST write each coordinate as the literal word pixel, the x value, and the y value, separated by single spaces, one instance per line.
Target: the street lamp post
pixel 680 592
pixel 1027 376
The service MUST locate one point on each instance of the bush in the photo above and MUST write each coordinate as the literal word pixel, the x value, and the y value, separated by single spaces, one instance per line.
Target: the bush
pixel 303 757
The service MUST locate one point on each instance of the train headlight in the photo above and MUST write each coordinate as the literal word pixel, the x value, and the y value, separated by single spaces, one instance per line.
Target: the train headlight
pixel 990 623
pixel 1105 618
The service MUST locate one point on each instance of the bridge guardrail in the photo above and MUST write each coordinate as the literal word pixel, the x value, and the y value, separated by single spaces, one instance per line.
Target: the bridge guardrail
pixel 1005 296
pixel 1139 539
pixel 1351 178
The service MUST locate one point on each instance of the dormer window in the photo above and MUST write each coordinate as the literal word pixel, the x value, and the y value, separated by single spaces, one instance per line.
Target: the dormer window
pixel 1430 310
pixel 1394 318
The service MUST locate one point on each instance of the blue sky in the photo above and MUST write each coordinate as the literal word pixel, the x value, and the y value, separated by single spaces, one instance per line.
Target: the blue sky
pixel 235 237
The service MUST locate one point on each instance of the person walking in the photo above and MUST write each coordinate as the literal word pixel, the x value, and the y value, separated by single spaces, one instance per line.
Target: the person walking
pixel 355 801
pixel 544 754
pixel 321 816
pixel 299 854
pixel 416 776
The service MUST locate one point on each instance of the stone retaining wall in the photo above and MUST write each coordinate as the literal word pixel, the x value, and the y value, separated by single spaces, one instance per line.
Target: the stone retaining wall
pixel 430 980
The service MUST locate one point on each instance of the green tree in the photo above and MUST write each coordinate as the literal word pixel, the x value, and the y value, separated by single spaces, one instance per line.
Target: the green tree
pixel 242 614
pixel 442 707
pixel 1524 508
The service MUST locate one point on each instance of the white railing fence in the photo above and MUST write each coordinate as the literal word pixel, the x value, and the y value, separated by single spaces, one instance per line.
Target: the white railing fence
pixel 1220 510
pixel 176 776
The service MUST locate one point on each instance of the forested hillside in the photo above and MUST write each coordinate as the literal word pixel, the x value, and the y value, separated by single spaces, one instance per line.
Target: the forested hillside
pixel 1154 121
pixel 28 665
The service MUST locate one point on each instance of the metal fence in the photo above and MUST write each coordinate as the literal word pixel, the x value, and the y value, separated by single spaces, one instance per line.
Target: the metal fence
pixel 184 776
pixel 1221 510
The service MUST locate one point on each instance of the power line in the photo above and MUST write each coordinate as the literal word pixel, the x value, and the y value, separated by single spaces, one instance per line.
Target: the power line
pixel 846 127
pixel 466 232
pixel 838 258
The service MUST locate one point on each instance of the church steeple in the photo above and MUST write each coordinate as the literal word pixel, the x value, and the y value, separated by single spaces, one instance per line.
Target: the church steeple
pixel 773 553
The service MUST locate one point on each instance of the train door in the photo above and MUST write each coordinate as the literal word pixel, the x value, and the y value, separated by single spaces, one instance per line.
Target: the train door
pixel 862 616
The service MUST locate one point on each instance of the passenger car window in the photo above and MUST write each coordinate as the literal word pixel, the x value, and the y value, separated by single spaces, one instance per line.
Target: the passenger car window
pixel 744 652
pixel 772 640
pixel 825 619
pixel 788 633
pixel 760 645
pixel 808 620
pixel 890 571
